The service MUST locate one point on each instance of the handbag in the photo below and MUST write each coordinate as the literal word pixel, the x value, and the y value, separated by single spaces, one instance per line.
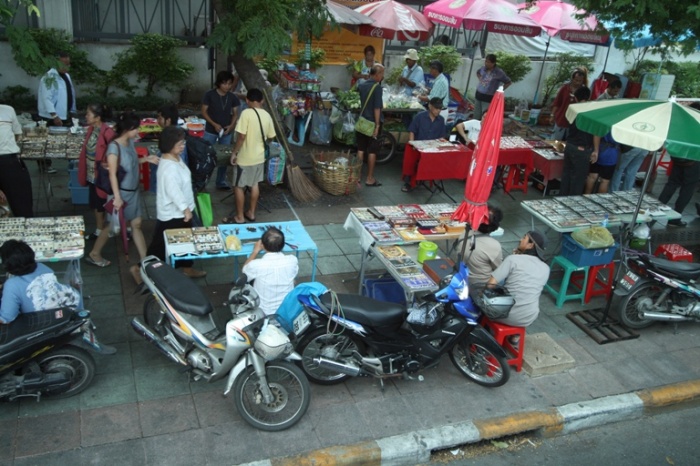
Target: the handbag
pixel 262 134
pixel 204 210
pixel 102 181
pixel 363 125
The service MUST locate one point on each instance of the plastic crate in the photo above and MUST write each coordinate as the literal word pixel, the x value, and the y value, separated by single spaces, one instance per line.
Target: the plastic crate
pixel 79 195
pixel 73 175
pixel 384 289
pixel 580 256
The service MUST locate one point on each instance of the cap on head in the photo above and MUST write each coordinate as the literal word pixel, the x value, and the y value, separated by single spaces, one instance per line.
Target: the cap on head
pixel 540 242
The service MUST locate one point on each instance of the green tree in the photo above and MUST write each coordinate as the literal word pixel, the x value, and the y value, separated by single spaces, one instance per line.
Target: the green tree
pixel 515 66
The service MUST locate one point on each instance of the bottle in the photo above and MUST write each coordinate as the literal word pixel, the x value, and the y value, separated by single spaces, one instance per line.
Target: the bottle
pixel 604 223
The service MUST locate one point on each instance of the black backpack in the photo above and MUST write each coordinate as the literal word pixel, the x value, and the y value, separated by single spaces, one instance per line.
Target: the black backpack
pixel 201 158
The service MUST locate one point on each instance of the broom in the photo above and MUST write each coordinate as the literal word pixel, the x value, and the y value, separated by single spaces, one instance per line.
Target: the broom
pixel 302 188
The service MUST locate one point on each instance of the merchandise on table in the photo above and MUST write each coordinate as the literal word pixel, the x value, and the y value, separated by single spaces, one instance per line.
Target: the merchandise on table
pixel 207 239
pixel 49 237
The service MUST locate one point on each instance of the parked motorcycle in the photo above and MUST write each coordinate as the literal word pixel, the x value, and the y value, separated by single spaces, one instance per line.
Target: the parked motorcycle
pixel 270 393
pixel 656 289
pixel 357 336
pixel 44 354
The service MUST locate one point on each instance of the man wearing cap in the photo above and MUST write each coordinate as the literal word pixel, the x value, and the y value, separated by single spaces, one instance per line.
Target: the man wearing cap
pixel 441 86
pixel 425 126
pixel 524 273
pixel 412 74
pixel 490 77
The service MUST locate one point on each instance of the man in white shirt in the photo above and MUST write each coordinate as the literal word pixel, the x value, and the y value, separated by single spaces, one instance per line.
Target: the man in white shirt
pixel 274 273
pixel 468 131
pixel 412 74
pixel 15 183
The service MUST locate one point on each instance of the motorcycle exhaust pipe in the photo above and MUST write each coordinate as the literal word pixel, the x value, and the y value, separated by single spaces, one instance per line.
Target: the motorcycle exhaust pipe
pixel 337 366
pixel 142 329
pixel 665 317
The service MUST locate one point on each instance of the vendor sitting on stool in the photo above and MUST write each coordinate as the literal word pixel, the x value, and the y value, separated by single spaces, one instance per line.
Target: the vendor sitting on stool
pixel 425 126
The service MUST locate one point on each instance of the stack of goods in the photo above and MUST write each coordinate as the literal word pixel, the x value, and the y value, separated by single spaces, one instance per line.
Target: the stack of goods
pixel 408 271
pixel 207 239
pixel 407 223
pixel 50 237
pixel 514 142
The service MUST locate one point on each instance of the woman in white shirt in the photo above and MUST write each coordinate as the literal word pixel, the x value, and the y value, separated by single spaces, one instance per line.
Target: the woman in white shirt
pixel 174 198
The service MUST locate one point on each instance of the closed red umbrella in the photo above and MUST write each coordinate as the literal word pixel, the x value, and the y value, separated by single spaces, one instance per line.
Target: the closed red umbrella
pixel 473 209
pixel 394 20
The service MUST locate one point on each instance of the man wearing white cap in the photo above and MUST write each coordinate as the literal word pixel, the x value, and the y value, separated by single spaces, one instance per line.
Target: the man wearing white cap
pixel 412 74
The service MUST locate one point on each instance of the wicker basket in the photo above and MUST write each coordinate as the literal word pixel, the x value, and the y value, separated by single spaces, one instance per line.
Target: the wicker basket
pixel 336 177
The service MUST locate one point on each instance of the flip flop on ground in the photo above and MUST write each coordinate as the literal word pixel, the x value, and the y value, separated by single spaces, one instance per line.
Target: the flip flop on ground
pixel 230 220
pixel 102 263
pixel 250 219
pixel 376 184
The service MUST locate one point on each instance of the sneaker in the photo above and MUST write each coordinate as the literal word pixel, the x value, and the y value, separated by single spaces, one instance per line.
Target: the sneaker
pixel 51 171
pixel 677 223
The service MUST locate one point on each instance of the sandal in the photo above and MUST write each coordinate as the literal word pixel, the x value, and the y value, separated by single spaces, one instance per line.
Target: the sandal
pixel 231 221
pixel 103 263
pixel 376 184
pixel 250 219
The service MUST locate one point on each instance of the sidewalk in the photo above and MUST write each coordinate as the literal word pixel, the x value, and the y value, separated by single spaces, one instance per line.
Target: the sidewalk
pixel 141 409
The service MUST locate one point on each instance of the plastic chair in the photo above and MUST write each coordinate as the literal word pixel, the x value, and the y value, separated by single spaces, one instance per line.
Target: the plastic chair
pixel 500 333
pixel 561 295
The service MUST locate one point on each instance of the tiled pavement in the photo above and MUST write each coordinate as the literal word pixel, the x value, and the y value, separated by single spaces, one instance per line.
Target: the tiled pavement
pixel 141 409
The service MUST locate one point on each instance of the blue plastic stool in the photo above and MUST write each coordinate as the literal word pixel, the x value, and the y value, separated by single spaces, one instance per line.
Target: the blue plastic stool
pixel 569 268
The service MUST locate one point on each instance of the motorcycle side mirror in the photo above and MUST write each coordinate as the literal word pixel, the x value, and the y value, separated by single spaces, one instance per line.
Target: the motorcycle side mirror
pixel 241 281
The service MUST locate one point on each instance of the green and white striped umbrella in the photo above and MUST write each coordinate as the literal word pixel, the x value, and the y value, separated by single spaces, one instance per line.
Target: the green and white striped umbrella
pixel 647 124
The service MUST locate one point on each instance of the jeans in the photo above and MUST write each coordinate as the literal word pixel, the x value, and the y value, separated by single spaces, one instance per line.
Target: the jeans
pixel 224 140
pixel 626 171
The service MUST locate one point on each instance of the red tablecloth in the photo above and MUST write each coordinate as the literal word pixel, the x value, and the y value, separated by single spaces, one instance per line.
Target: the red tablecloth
pixel 551 169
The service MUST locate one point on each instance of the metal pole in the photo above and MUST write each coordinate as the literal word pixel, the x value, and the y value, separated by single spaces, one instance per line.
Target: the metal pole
pixel 534 101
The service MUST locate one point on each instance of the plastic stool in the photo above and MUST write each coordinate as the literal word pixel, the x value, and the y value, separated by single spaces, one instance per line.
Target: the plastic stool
pixel 514 180
pixel 501 332
pixel 144 168
pixel 668 164
pixel 674 252
pixel 570 268
pixel 594 279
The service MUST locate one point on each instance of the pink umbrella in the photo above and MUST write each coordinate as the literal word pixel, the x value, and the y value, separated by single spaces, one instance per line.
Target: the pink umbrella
pixel 569 22
pixel 499 16
pixel 393 20
pixel 473 209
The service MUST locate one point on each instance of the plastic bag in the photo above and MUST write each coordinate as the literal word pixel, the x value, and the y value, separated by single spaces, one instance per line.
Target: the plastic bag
pixel 593 238
pixel 349 123
pixel 321 130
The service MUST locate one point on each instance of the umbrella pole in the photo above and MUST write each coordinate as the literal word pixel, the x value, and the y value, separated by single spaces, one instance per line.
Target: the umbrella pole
pixel 539 77
pixel 624 239
pixel 471 67
pixel 607 55
pixel 460 257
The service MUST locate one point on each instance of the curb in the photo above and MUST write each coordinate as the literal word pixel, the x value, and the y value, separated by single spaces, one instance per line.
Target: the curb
pixel 416 447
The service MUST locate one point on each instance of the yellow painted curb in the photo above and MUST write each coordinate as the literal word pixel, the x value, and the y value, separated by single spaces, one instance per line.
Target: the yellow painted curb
pixel 670 394
pixel 366 454
pixel 516 423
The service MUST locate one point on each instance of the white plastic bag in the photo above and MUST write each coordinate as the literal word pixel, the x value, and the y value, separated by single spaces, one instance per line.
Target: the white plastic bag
pixel 349 123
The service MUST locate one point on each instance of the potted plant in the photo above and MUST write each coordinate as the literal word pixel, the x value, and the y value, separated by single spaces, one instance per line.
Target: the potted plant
pixel 318 56
pixel 515 66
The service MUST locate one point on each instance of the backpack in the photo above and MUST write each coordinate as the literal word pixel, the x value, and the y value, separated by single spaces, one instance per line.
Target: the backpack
pixel 201 160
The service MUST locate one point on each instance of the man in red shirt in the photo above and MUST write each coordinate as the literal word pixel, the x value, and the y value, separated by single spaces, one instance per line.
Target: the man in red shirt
pixel 564 97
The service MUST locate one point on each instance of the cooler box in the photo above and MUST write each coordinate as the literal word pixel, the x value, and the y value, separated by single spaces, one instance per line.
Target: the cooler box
pixel 383 289
pixel 79 195
pixel 581 257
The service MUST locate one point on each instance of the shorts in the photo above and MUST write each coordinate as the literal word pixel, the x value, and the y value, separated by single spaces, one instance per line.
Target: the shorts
pixel 248 176
pixel 96 202
pixel 368 144
pixel 603 171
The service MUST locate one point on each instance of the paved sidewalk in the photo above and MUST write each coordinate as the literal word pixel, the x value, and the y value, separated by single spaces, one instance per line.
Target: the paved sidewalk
pixel 141 409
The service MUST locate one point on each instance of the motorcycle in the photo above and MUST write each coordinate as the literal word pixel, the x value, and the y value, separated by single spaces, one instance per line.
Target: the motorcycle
pixel 656 289
pixel 357 336
pixel 269 392
pixel 44 353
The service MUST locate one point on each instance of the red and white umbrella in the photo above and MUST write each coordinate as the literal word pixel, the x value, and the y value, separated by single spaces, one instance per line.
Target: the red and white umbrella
pixel 394 20
pixel 346 16
pixel 474 209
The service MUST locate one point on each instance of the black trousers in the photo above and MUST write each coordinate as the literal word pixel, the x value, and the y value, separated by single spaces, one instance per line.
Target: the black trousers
pixel 17 185
pixel 684 176
pixel 157 246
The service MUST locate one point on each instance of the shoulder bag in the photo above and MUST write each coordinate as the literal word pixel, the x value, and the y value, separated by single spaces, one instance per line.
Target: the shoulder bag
pixel 262 134
pixel 102 181
pixel 363 125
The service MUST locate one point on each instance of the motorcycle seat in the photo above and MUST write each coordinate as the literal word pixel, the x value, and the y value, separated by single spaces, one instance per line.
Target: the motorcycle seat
pixel 26 326
pixel 367 311
pixel 178 289
pixel 682 270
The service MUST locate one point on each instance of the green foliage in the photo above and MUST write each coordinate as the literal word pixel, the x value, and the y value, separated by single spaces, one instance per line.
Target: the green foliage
pixel 392 77
pixel 270 64
pixel 19 97
pixel 318 56
pixel 34 50
pixel 566 63
pixel 641 67
pixel 8 9
pixel 687 82
pixel 153 58
pixel 515 66
pixel 122 103
pixel 445 54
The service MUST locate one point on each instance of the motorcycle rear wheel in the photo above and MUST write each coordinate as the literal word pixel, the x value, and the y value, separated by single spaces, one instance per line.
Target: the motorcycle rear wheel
pixel 76 363
pixel 291 391
pixel 479 364
pixel 154 317
pixel 637 301
pixel 319 343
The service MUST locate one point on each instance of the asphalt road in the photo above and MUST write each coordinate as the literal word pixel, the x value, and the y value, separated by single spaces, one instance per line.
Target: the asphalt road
pixel 664 439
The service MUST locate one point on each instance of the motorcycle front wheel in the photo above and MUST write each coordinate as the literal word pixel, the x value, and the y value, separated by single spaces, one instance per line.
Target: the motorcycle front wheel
pixel 639 300
pixel 479 364
pixel 319 343
pixel 291 396
pixel 75 363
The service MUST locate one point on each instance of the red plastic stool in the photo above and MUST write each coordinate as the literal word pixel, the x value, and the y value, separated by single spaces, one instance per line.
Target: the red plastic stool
pixel 500 333
pixel 674 252
pixel 595 278
pixel 144 168
pixel 668 164
pixel 514 179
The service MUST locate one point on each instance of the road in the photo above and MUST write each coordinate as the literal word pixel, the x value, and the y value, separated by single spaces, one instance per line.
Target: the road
pixel 663 439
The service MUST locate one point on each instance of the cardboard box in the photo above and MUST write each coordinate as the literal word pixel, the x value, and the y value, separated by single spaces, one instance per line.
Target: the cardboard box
pixel 437 269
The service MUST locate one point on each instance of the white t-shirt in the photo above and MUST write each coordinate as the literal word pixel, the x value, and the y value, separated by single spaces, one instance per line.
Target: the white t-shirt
pixel 274 275
pixel 174 190
pixel 9 126
pixel 472 128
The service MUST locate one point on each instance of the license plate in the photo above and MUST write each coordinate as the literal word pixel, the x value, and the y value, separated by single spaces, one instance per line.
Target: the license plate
pixel 301 323
pixel 629 280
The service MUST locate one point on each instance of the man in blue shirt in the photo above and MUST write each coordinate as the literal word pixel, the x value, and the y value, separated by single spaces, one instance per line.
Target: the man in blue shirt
pixel 441 86
pixel 490 78
pixel 425 126
pixel 412 74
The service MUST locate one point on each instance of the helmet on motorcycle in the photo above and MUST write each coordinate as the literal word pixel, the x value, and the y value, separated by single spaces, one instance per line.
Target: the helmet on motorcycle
pixel 495 302
pixel 272 343
pixel 425 317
